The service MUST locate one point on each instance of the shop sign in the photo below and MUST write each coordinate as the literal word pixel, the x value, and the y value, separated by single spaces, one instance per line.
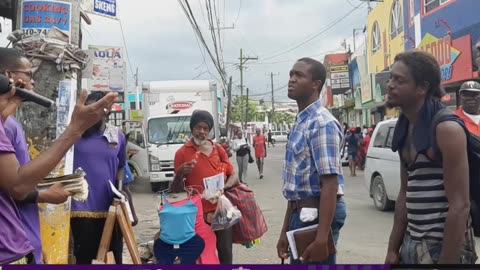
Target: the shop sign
pixel 443 51
pixel 340 79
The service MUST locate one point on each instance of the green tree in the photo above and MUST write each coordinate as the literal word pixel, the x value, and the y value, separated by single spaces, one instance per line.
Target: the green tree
pixel 283 118
pixel 238 110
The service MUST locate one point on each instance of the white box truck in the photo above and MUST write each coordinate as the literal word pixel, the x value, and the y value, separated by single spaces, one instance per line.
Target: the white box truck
pixel 168 106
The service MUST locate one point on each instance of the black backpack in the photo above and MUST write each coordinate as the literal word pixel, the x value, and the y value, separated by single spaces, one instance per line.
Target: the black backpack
pixel 473 149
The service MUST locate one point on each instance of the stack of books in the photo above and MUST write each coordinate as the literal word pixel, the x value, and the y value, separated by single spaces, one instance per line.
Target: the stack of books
pixel 74 183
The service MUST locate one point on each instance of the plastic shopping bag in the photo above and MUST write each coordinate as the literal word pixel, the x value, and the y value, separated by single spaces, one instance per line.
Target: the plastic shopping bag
pixel 226 214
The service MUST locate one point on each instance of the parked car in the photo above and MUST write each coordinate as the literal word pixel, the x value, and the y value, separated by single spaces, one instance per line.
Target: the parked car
pixel 382 167
pixel 279 136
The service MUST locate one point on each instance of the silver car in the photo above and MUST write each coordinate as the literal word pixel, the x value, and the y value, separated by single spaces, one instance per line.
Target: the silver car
pixel 382 167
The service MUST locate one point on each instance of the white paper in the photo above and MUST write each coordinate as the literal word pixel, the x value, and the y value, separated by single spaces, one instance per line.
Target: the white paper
pixel 291 239
pixel 214 183
pixel 122 199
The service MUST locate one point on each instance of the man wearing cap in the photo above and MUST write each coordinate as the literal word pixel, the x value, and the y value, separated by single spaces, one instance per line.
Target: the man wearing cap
pixel 470 106
pixel 201 158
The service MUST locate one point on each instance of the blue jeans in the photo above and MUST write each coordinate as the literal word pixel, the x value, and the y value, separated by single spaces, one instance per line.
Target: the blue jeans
pixel 188 252
pixel 428 252
pixel 338 222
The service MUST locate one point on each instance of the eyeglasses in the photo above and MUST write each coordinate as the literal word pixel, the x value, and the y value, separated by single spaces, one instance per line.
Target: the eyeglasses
pixel 28 73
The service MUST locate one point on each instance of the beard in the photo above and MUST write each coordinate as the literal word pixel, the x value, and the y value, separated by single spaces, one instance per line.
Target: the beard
pixel 199 142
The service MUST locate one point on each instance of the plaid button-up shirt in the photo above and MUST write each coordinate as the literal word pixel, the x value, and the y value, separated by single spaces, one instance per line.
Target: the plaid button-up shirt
pixel 313 150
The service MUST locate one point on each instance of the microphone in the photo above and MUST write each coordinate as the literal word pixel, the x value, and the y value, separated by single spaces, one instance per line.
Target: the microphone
pixel 24 94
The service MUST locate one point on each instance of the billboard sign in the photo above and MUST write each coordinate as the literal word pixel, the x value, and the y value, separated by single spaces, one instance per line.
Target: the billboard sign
pixel 40 16
pixel 340 79
pixel 107 69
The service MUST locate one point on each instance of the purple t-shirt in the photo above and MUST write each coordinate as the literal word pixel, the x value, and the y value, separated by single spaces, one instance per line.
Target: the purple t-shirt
pixel 14 243
pixel 101 161
pixel 28 211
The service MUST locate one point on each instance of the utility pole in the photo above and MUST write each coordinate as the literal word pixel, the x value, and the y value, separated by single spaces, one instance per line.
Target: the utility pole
pixel 246 111
pixel 355 37
pixel 272 118
pixel 243 60
pixel 55 74
pixel 229 103
pixel 137 92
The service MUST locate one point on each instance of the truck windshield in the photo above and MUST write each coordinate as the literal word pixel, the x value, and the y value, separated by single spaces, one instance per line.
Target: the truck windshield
pixel 169 130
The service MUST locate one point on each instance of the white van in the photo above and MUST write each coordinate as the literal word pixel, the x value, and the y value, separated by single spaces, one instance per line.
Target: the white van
pixel 382 167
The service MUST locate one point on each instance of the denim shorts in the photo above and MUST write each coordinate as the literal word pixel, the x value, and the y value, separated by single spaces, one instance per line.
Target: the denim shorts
pixel 428 252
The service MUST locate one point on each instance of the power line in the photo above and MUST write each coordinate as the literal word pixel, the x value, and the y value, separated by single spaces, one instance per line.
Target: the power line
pixel 126 49
pixel 325 29
pixel 196 28
pixel 350 3
pixel 238 13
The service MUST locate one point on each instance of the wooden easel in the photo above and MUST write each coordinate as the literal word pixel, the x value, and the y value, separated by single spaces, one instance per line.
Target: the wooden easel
pixel 117 212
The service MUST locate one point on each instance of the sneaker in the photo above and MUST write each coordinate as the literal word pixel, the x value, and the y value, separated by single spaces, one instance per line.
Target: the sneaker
pixel 261 176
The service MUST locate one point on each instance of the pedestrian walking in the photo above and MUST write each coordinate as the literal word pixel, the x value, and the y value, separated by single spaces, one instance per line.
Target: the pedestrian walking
pixel 313 171
pixel 19 181
pixel 17 67
pixel 270 138
pixel 101 154
pixel 259 144
pixel 353 140
pixel 242 150
pixel 431 223
pixel 470 106
pixel 201 158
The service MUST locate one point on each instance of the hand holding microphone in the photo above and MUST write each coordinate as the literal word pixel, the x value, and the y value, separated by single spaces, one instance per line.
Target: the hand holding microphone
pixel 25 95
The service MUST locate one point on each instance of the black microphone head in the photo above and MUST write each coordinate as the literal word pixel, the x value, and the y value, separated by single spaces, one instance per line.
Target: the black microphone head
pixel 5 85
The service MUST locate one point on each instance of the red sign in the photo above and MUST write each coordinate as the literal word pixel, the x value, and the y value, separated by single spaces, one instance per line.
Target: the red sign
pixel 180 105
pixel 453 56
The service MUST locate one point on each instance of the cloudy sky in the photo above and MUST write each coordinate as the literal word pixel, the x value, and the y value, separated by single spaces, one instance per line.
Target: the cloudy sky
pixel 162 44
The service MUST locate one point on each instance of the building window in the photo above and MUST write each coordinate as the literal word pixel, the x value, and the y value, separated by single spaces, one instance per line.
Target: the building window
pixel 433 4
pixel 376 38
pixel 396 20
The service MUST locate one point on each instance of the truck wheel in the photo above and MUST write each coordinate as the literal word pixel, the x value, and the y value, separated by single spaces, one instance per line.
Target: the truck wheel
pixel 159 186
pixel 380 199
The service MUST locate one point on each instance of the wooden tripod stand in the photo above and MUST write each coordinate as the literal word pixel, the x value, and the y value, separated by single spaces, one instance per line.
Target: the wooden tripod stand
pixel 117 213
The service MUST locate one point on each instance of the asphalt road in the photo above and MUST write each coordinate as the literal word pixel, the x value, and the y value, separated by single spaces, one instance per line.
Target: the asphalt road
pixel 363 239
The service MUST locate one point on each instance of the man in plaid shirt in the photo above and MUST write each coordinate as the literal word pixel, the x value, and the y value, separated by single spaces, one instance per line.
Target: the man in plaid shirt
pixel 313 171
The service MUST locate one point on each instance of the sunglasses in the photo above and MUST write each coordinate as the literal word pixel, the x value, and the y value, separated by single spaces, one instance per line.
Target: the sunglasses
pixel 28 73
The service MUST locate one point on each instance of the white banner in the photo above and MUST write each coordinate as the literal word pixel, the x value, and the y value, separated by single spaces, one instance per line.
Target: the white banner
pixel 106 69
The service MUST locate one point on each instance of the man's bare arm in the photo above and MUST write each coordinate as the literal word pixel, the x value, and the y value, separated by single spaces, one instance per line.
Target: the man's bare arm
pixel 400 218
pixel 327 206
pixel 452 142
pixel 20 181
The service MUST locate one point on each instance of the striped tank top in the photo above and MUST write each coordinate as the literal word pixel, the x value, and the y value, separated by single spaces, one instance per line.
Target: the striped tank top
pixel 427 203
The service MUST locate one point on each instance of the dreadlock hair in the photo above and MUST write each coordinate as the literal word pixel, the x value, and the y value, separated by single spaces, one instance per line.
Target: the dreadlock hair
pixel 425 70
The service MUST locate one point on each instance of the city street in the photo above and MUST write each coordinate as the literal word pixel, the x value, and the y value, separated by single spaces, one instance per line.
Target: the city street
pixel 363 239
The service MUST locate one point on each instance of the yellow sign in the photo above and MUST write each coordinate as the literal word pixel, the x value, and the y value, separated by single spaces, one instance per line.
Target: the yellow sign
pixel 335 69
pixel 136 115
